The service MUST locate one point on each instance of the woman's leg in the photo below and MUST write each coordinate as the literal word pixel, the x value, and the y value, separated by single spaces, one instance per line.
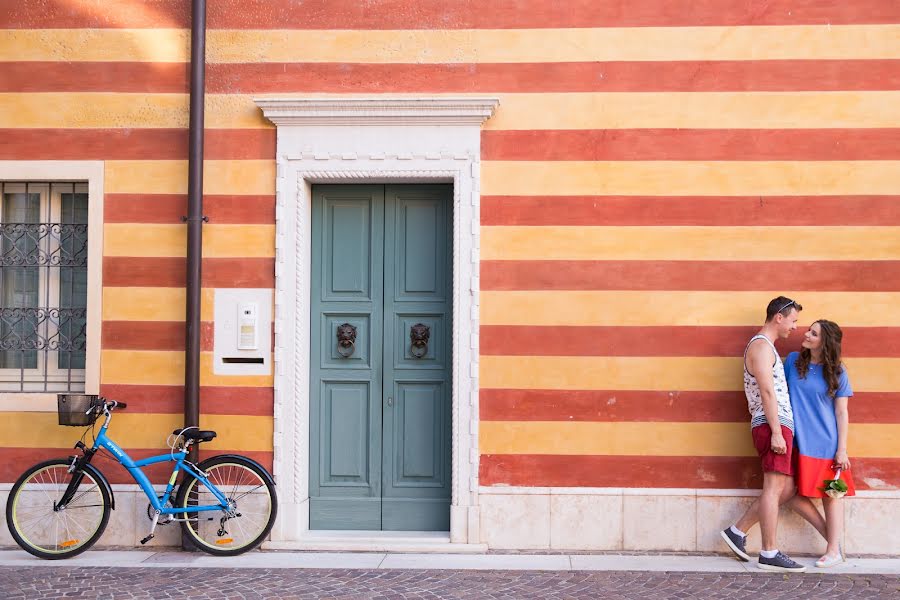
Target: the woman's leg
pixel 834 517
pixel 804 507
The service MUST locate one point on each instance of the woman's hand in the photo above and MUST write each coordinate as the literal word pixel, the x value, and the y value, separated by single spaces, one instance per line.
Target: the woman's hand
pixel 842 460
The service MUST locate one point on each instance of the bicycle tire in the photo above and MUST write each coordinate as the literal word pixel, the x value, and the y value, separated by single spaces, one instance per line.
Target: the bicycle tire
pixel 249 486
pixel 40 529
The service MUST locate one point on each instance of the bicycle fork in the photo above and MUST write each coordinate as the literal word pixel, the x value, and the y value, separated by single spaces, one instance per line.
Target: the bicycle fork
pixel 76 469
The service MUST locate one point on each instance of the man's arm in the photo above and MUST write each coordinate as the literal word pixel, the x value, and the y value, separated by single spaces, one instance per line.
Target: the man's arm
pixel 760 360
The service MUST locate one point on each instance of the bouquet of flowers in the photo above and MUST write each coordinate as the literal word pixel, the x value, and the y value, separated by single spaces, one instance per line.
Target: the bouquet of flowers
pixel 835 488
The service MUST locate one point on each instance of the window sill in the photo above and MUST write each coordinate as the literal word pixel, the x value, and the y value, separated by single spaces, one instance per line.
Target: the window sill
pixel 27 402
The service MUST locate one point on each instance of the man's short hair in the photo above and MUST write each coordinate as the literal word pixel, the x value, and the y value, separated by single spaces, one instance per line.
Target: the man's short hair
pixel 783 305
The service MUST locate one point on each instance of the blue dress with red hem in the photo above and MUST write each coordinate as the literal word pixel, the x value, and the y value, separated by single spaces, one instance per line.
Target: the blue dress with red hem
pixel 815 425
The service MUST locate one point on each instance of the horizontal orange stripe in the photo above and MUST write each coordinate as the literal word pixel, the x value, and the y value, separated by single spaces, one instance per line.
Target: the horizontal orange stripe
pixel 690 275
pixel 38 76
pixel 683 76
pixel 133 144
pixel 169 208
pixel 152 335
pixel 692 144
pixel 156 335
pixel 649 405
pixel 125 271
pixel 605 144
pixel 437 14
pixel 513 340
pixel 214 400
pixel 532 470
pixel 690 210
pixel 624 76
pixel 13 461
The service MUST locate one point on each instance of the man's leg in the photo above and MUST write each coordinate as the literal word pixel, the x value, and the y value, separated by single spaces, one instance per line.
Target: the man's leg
pixel 773 486
pixel 770 558
pixel 801 505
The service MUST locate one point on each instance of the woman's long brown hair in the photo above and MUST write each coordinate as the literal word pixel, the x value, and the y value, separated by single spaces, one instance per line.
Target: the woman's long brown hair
pixel 831 355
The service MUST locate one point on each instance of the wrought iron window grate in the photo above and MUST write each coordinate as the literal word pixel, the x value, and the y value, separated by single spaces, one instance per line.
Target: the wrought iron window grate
pixel 43 285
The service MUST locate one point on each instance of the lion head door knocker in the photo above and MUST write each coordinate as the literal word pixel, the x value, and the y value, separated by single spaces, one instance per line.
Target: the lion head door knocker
pixel 418 338
pixel 346 340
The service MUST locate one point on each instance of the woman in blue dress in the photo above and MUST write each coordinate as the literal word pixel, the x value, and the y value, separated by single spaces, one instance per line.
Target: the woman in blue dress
pixel 819 390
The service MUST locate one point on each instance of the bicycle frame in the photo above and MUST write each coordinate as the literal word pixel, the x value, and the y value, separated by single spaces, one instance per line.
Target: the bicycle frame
pixel 134 468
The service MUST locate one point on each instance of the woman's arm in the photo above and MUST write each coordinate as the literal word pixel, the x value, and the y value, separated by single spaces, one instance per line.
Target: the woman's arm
pixel 843 420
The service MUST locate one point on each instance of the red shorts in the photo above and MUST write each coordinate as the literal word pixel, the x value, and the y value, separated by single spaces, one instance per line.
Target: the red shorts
pixel 771 462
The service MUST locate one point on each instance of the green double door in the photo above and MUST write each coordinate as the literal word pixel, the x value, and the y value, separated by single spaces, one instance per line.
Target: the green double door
pixel 380 358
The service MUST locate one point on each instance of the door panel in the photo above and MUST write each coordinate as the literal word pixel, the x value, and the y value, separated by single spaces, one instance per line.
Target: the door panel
pixel 380 415
pixel 346 420
pixel 345 389
pixel 417 283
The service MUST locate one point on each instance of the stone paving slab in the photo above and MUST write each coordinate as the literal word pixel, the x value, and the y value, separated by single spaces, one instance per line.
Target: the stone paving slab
pixel 483 562
pixel 710 564
pixel 27 583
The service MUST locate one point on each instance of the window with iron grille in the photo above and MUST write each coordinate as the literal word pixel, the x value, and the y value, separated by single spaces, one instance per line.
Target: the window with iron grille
pixel 43 285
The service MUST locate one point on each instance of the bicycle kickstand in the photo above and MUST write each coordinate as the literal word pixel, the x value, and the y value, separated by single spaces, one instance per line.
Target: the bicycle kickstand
pixel 152 528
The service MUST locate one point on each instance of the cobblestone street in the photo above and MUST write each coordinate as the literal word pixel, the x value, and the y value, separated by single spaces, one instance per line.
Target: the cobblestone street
pixel 116 582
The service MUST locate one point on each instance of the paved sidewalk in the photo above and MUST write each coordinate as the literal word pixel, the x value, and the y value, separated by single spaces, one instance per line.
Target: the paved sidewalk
pixel 149 559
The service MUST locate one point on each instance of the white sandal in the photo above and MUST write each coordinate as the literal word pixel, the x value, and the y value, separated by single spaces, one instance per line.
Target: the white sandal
pixel 830 560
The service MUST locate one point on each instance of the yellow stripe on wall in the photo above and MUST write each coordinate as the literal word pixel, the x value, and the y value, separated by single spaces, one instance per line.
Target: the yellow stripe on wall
pixel 89 45
pixel 558 45
pixel 152 304
pixel 219 241
pixel 162 367
pixel 617 110
pixel 170 176
pixel 690 243
pixel 690 178
pixel 459 45
pixel 655 439
pixel 138 430
pixel 664 373
pixel 697 110
pixel 647 308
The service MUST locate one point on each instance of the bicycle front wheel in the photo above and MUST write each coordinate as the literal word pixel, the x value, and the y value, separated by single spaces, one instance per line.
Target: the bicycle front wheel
pixel 45 529
pixel 252 506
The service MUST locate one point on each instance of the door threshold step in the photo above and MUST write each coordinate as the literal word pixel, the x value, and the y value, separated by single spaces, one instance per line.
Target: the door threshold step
pixel 377 541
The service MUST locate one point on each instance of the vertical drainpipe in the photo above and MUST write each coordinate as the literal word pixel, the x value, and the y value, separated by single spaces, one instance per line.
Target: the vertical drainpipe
pixel 195 218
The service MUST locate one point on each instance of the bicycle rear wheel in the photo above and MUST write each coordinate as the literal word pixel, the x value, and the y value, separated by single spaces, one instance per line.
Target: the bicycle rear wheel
pixel 43 529
pixel 251 512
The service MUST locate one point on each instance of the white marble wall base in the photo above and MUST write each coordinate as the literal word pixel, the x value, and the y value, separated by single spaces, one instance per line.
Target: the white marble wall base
pixel 659 522
pixel 585 522
pixel 516 522
pixel 668 520
pixel 128 523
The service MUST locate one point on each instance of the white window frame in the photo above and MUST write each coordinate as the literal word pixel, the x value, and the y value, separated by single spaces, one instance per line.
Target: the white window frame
pixel 91 173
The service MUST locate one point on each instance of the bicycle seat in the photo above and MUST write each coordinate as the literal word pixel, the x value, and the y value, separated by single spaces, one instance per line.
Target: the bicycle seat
pixel 194 434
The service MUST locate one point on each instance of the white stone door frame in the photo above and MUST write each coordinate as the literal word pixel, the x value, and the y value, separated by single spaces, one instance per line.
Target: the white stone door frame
pixel 366 140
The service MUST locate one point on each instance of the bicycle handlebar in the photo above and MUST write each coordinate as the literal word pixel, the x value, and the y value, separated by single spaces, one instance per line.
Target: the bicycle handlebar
pixel 110 404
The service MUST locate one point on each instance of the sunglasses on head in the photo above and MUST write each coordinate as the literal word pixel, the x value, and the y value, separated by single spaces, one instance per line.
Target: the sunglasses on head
pixel 784 307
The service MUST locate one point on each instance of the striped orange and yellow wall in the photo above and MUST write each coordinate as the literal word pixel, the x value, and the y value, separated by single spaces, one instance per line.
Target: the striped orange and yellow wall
pixel 655 173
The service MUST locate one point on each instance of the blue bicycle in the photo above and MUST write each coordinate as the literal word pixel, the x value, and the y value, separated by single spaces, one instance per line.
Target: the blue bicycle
pixel 59 508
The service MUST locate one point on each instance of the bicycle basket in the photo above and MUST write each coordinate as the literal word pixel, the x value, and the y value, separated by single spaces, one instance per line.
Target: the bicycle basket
pixel 72 409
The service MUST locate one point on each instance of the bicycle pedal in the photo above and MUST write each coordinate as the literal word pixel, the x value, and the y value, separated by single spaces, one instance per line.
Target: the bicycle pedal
pixel 147 539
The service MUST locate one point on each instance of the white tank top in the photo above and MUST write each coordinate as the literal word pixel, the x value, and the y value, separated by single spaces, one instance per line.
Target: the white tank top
pixel 754 400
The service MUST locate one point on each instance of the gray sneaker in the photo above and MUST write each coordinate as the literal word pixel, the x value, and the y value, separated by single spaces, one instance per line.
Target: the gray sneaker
pixel 736 543
pixel 781 563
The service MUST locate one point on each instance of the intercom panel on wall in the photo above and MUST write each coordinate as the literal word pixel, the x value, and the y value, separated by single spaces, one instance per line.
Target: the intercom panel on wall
pixel 242 332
